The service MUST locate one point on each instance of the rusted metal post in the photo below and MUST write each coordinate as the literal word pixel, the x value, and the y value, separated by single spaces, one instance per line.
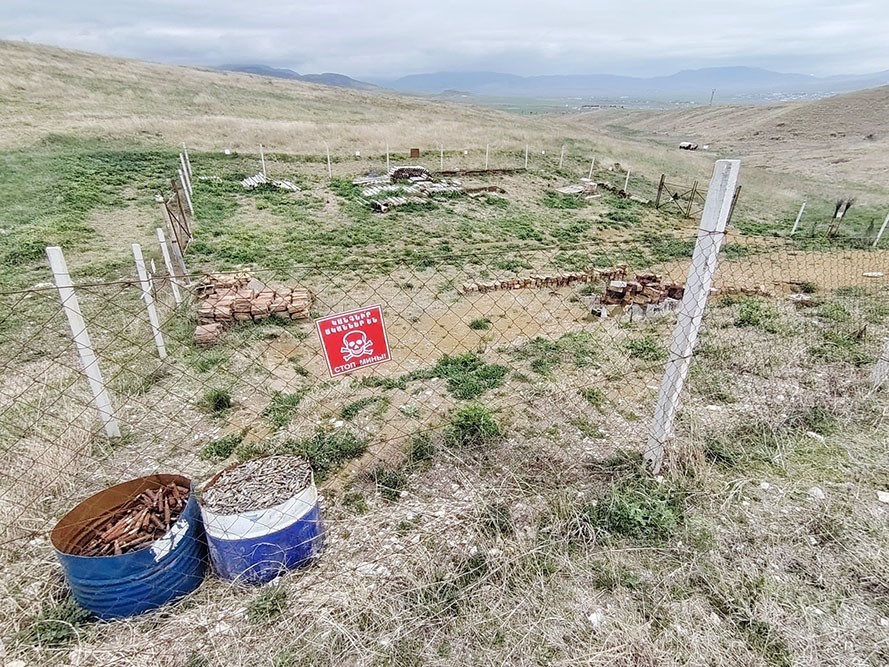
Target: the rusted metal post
pixel 660 189
pixel 691 199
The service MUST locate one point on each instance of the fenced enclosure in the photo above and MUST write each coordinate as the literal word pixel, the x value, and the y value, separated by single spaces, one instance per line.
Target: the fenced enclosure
pixel 524 376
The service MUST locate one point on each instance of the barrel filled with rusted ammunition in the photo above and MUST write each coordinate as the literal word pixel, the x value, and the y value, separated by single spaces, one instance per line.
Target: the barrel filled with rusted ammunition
pixel 133 547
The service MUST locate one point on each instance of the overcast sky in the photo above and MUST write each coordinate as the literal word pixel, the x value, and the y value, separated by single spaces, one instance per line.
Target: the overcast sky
pixel 387 38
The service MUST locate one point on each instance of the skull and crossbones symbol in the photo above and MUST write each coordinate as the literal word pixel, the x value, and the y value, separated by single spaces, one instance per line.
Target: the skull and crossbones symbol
pixel 356 344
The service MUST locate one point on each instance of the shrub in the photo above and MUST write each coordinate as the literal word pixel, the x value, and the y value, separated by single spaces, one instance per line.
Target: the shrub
pixel 326 451
pixel 222 448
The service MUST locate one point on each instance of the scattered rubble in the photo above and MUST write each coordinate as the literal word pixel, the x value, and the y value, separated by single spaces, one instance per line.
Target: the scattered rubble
pixel 544 280
pixel 688 146
pixel 253 182
pixel 645 290
pixel 402 185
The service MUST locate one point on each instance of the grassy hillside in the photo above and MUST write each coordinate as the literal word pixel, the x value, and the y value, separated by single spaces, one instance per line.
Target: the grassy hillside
pixel 842 139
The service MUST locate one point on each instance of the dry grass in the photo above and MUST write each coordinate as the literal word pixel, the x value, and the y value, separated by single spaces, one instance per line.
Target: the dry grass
pixel 541 547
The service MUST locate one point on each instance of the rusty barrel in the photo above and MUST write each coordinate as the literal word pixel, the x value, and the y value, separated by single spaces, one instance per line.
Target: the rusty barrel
pixel 161 571
pixel 256 545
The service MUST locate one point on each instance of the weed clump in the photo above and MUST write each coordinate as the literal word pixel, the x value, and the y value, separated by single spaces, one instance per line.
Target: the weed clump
pixel 221 448
pixel 267 606
pixel 280 409
pixel 56 625
pixel 472 427
pixel 216 400
pixel 326 451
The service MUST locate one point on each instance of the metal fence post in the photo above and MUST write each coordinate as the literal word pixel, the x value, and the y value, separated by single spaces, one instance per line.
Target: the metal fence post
pixel 691 311
pixel 799 216
pixel 82 341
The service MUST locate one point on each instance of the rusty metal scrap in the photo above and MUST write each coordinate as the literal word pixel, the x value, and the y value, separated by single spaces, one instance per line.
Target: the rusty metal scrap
pixel 136 523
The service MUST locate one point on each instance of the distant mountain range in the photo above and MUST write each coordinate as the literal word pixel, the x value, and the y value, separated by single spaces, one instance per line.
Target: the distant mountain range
pixel 731 83
pixel 697 85
pixel 326 79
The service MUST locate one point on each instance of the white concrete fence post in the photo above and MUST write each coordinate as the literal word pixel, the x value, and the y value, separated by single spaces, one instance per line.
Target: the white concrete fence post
pixel 799 216
pixel 562 156
pixel 185 174
pixel 329 168
pixel 145 284
pixel 187 160
pixel 168 262
pixel 592 164
pixel 262 161
pixel 882 230
pixel 881 370
pixel 691 310
pixel 487 152
pixel 526 156
pixel 82 341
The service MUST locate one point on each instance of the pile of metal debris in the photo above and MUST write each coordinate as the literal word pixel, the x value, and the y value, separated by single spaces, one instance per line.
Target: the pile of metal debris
pixel 586 187
pixel 229 298
pixel 402 185
pixel 253 182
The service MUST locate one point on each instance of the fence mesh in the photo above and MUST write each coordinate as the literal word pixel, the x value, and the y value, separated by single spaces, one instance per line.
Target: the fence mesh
pixel 517 372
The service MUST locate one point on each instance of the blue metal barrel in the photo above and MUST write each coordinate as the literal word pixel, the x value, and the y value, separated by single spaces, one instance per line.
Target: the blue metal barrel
pixel 141 580
pixel 255 547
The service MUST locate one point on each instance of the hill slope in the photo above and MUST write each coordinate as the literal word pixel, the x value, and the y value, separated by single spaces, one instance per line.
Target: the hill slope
pixel 46 90
pixel 325 79
pixel 845 137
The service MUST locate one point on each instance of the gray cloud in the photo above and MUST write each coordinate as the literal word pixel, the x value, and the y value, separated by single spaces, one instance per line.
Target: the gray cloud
pixel 390 38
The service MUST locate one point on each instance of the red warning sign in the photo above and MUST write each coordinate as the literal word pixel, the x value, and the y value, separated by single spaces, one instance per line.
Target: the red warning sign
pixel 353 340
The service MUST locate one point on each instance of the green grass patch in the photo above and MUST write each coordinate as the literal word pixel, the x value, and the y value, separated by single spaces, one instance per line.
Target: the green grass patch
pixel 482 324
pixel 468 377
pixel 758 313
pixel 558 201
pixel 646 348
pixel 326 451
pixel 390 481
pixel 281 408
pixel 216 400
pixel 267 606
pixel 352 409
pixel 595 397
pixel 544 355
pixel 221 448
pixel 58 624
pixel 472 427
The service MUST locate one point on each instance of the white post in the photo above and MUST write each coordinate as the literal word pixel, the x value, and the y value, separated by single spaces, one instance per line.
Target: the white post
pixel 561 156
pixel 185 173
pixel 387 158
pixel 882 229
pixel 487 151
pixel 185 191
pixel 82 342
pixel 627 181
pixel 592 164
pixel 187 160
pixel 799 216
pixel 149 301
pixel 526 156
pixel 329 168
pixel 165 253
pixel 881 370
pixel 262 161
pixel 691 310
pixel 441 157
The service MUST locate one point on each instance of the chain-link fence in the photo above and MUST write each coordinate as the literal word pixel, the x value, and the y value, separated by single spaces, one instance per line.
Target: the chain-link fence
pixel 515 372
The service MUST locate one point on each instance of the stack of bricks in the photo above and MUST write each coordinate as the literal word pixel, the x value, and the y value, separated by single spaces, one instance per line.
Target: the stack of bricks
pixel 245 303
pixel 539 280
pixel 241 298
pixel 646 289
